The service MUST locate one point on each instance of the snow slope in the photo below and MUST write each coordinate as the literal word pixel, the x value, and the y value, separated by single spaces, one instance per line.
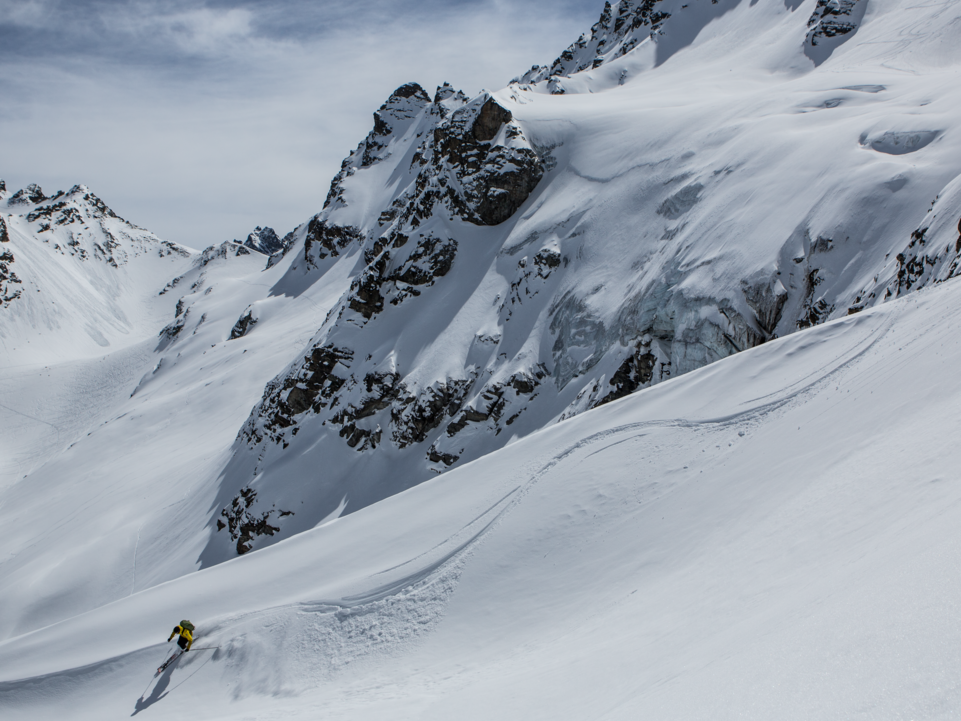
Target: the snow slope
pixel 484 268
pixel 124 506
pixel 124 376
pixel 772 536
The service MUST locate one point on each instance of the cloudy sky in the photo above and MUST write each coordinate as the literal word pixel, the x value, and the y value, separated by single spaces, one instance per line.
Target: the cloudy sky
pixel 200 120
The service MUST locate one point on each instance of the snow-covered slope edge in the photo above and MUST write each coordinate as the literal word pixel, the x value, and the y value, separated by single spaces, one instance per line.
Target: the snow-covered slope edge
pixel 518 258
pixel 759 538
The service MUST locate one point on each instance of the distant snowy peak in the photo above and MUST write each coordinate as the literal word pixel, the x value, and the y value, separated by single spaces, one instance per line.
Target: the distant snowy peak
pixel 80 224
pixel 68 262
pixel 32 194
pixel 266 241
pixel 664 26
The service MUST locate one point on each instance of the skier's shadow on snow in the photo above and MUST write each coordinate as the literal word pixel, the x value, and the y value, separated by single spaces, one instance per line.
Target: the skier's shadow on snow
pixel 159 691
pixel 160 688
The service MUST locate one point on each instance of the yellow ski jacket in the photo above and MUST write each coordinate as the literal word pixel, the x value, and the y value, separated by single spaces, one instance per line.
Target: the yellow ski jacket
pixel 183 632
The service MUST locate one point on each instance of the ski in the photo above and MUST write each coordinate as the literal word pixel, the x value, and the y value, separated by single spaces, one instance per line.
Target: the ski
pixel 178 655
pixel 169 661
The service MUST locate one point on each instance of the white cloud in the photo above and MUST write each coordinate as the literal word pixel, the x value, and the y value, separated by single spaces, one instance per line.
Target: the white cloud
pixel 204 122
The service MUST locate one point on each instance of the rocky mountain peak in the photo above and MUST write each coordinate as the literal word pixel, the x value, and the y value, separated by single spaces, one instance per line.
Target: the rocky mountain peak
pixel 393 118
pixel 32 194
pixel 447 91
pixel 491 118
pixel 621 27
pixel 264 240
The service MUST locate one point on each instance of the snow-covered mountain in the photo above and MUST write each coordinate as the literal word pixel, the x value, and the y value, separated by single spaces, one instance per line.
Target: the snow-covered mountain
pixel 74 274
pixel 265 240
pixel 523 256
pixel 761 538
pixel 689 180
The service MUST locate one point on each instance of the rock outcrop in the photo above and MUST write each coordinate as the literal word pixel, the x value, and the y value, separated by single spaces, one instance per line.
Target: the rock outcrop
pixel 11 287
pixel 832 23
pixel 621 28
pixel 266 241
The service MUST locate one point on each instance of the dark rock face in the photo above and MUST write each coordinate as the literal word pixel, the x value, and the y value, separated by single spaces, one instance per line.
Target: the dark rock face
pixel 416 418
pixel 31 194
pixel 401 107
pixel 492 181
pixel 767 300
pixel 911 265
pixel 832 18
pixel 172 330
pixel 10 284
pixel 925 260
pixel 326 240
pixel 430 259
pixel 227 249
pixel 244 325
pixel 496 180
pixel 833 23
pixel 310 388
pixel 244 525
pixel 489 121
pixel 636 371
pixel 264 240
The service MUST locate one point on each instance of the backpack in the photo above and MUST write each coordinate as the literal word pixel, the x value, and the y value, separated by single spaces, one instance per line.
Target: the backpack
pixel 187 625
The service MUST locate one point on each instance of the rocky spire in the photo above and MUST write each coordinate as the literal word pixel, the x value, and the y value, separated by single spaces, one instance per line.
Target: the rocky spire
pixel 32 194
pixel 621 27
pixel 264 240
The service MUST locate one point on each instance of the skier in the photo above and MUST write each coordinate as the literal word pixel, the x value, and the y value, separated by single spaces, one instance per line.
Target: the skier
pixel 185 629
pixel 186 640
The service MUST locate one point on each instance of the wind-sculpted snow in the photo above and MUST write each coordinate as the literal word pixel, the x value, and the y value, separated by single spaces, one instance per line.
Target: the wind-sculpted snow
pixel 635 36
